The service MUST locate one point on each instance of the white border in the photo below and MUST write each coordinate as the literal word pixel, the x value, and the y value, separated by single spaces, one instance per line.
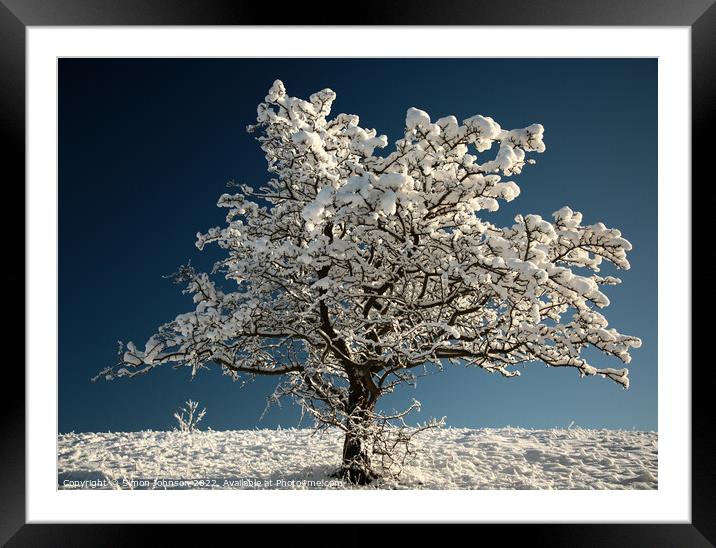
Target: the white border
pixel 671 502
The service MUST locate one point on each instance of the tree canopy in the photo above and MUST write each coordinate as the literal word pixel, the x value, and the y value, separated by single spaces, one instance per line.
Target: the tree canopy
pixel 350 270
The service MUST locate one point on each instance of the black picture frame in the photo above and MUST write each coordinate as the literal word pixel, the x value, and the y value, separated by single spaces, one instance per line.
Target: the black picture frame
pixel 16 15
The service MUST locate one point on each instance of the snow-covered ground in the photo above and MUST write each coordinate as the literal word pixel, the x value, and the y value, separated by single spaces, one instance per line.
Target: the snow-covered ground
pixel 451 458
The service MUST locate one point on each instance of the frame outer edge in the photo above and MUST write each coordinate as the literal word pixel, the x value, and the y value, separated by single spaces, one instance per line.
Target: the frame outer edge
pixel 703 443
pixel 15 14
pixel 12 136
pixel 371 12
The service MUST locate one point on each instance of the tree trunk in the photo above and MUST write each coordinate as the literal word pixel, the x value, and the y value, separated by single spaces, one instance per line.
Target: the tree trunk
pixel 356 451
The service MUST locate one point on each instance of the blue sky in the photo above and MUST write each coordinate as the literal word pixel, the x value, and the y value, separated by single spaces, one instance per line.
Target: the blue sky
pixel 147 145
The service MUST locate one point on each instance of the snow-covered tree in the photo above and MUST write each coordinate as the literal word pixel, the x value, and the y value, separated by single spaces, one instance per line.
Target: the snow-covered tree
pixel 188 418
pixel 350 271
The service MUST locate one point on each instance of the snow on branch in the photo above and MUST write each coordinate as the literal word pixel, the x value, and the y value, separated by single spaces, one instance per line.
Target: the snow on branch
pixel 188 418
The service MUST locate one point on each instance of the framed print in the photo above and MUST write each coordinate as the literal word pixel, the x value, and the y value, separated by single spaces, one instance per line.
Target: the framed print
pixel 448 208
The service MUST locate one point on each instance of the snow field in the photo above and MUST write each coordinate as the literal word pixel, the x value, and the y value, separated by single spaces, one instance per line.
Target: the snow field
pixel 450 458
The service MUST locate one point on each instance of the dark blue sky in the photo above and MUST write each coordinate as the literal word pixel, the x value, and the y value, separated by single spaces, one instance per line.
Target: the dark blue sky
pixel 147 145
